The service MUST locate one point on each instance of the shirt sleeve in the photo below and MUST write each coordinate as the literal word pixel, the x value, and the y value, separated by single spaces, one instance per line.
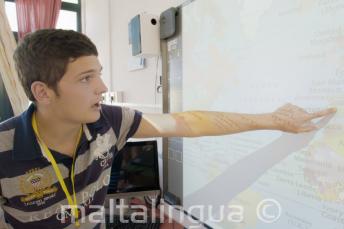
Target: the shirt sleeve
pixel 125 122
pixel 3 224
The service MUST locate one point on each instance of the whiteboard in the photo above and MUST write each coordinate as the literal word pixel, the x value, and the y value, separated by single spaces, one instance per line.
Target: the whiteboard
pixel 252 56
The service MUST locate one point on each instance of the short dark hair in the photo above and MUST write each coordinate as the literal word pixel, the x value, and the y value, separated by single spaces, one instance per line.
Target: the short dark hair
pixel 44 55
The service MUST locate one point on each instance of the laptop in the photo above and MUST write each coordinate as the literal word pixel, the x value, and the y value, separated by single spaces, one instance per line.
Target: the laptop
pixel 134 179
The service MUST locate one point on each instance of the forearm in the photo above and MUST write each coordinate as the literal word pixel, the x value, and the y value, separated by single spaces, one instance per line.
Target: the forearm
pixel 288 118
pixel 208 123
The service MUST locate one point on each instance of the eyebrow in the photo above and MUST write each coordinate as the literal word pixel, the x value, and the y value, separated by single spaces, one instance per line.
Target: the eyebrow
pixel 90 71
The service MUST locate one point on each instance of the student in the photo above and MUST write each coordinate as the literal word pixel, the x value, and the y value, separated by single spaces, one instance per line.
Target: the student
pixel 58 153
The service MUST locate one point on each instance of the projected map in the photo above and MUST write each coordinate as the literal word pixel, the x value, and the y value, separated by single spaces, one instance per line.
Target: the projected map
pixel 252 57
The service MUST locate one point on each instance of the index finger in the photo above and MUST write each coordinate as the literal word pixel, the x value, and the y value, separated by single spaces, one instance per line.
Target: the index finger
pixel 323 113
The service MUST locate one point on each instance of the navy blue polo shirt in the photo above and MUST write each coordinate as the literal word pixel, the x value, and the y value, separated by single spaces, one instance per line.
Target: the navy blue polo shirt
pixel 30 194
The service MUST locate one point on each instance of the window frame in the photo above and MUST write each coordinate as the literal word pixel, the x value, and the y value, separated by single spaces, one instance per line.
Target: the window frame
pixel 74 8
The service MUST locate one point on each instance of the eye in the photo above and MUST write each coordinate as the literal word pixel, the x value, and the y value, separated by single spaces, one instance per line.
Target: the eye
pixel 85 79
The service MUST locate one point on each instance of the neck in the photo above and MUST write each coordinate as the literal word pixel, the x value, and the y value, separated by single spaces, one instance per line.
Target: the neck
pixel 57 134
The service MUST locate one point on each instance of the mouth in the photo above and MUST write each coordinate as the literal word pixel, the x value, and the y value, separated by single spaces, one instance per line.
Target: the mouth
pixel 96 106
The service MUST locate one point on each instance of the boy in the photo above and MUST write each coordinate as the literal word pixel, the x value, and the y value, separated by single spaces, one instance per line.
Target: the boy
pixel 59 151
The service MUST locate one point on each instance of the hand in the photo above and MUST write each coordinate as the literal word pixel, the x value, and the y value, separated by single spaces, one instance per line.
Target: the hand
pixel 293 119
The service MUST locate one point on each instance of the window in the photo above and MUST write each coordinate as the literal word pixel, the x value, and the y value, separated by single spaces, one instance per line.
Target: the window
pixel 67 20
pixel 69 16
pixel 71 1
pixel 10 8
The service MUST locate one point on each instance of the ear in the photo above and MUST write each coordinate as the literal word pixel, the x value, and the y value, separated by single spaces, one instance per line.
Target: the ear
pixel 41 92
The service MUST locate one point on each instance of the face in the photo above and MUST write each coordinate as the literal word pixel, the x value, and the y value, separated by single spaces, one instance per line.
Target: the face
pixel 80 91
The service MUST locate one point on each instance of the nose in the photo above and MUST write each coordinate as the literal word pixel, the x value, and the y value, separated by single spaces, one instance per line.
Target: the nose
pixel 101 87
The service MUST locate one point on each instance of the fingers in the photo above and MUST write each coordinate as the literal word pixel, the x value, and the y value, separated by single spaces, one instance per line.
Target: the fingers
pixel 323 113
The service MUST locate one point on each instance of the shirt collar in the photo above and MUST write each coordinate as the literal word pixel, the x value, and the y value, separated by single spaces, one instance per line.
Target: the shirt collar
pixel 100 126
pixel 26 146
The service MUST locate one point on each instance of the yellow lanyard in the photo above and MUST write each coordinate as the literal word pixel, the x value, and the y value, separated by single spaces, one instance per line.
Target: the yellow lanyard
pixel 72 202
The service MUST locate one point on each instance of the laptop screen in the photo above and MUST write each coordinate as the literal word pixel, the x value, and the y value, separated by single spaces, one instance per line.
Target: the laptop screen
pixel 135 168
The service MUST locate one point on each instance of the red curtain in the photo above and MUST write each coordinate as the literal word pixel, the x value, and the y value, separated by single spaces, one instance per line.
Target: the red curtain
pixel 33 15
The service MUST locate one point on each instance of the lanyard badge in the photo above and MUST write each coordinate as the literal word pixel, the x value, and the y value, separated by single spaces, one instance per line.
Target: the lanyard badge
pixel 71 201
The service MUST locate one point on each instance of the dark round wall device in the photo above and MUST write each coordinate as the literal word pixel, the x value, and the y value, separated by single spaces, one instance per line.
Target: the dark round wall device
pixel 153 21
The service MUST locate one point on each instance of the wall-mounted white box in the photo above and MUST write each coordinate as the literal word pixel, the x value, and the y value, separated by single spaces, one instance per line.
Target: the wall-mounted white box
pixel 144 35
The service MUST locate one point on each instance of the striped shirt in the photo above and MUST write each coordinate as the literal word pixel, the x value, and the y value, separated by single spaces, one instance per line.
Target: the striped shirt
pixel 31 196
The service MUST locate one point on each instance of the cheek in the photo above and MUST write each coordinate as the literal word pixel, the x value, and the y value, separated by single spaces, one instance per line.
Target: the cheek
pixel 77 97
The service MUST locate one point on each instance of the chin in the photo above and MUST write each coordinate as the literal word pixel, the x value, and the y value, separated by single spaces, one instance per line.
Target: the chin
pixel 93 117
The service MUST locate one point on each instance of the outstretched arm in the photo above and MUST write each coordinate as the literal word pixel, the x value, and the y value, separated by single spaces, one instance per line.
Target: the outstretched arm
pixel 288 118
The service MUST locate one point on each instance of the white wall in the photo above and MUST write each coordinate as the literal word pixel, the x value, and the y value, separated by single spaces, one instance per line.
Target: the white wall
pixel 138 86
pixel 106 23
pixel 96 25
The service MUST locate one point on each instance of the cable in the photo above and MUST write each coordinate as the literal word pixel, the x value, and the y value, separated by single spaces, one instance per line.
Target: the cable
pixel 156 80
